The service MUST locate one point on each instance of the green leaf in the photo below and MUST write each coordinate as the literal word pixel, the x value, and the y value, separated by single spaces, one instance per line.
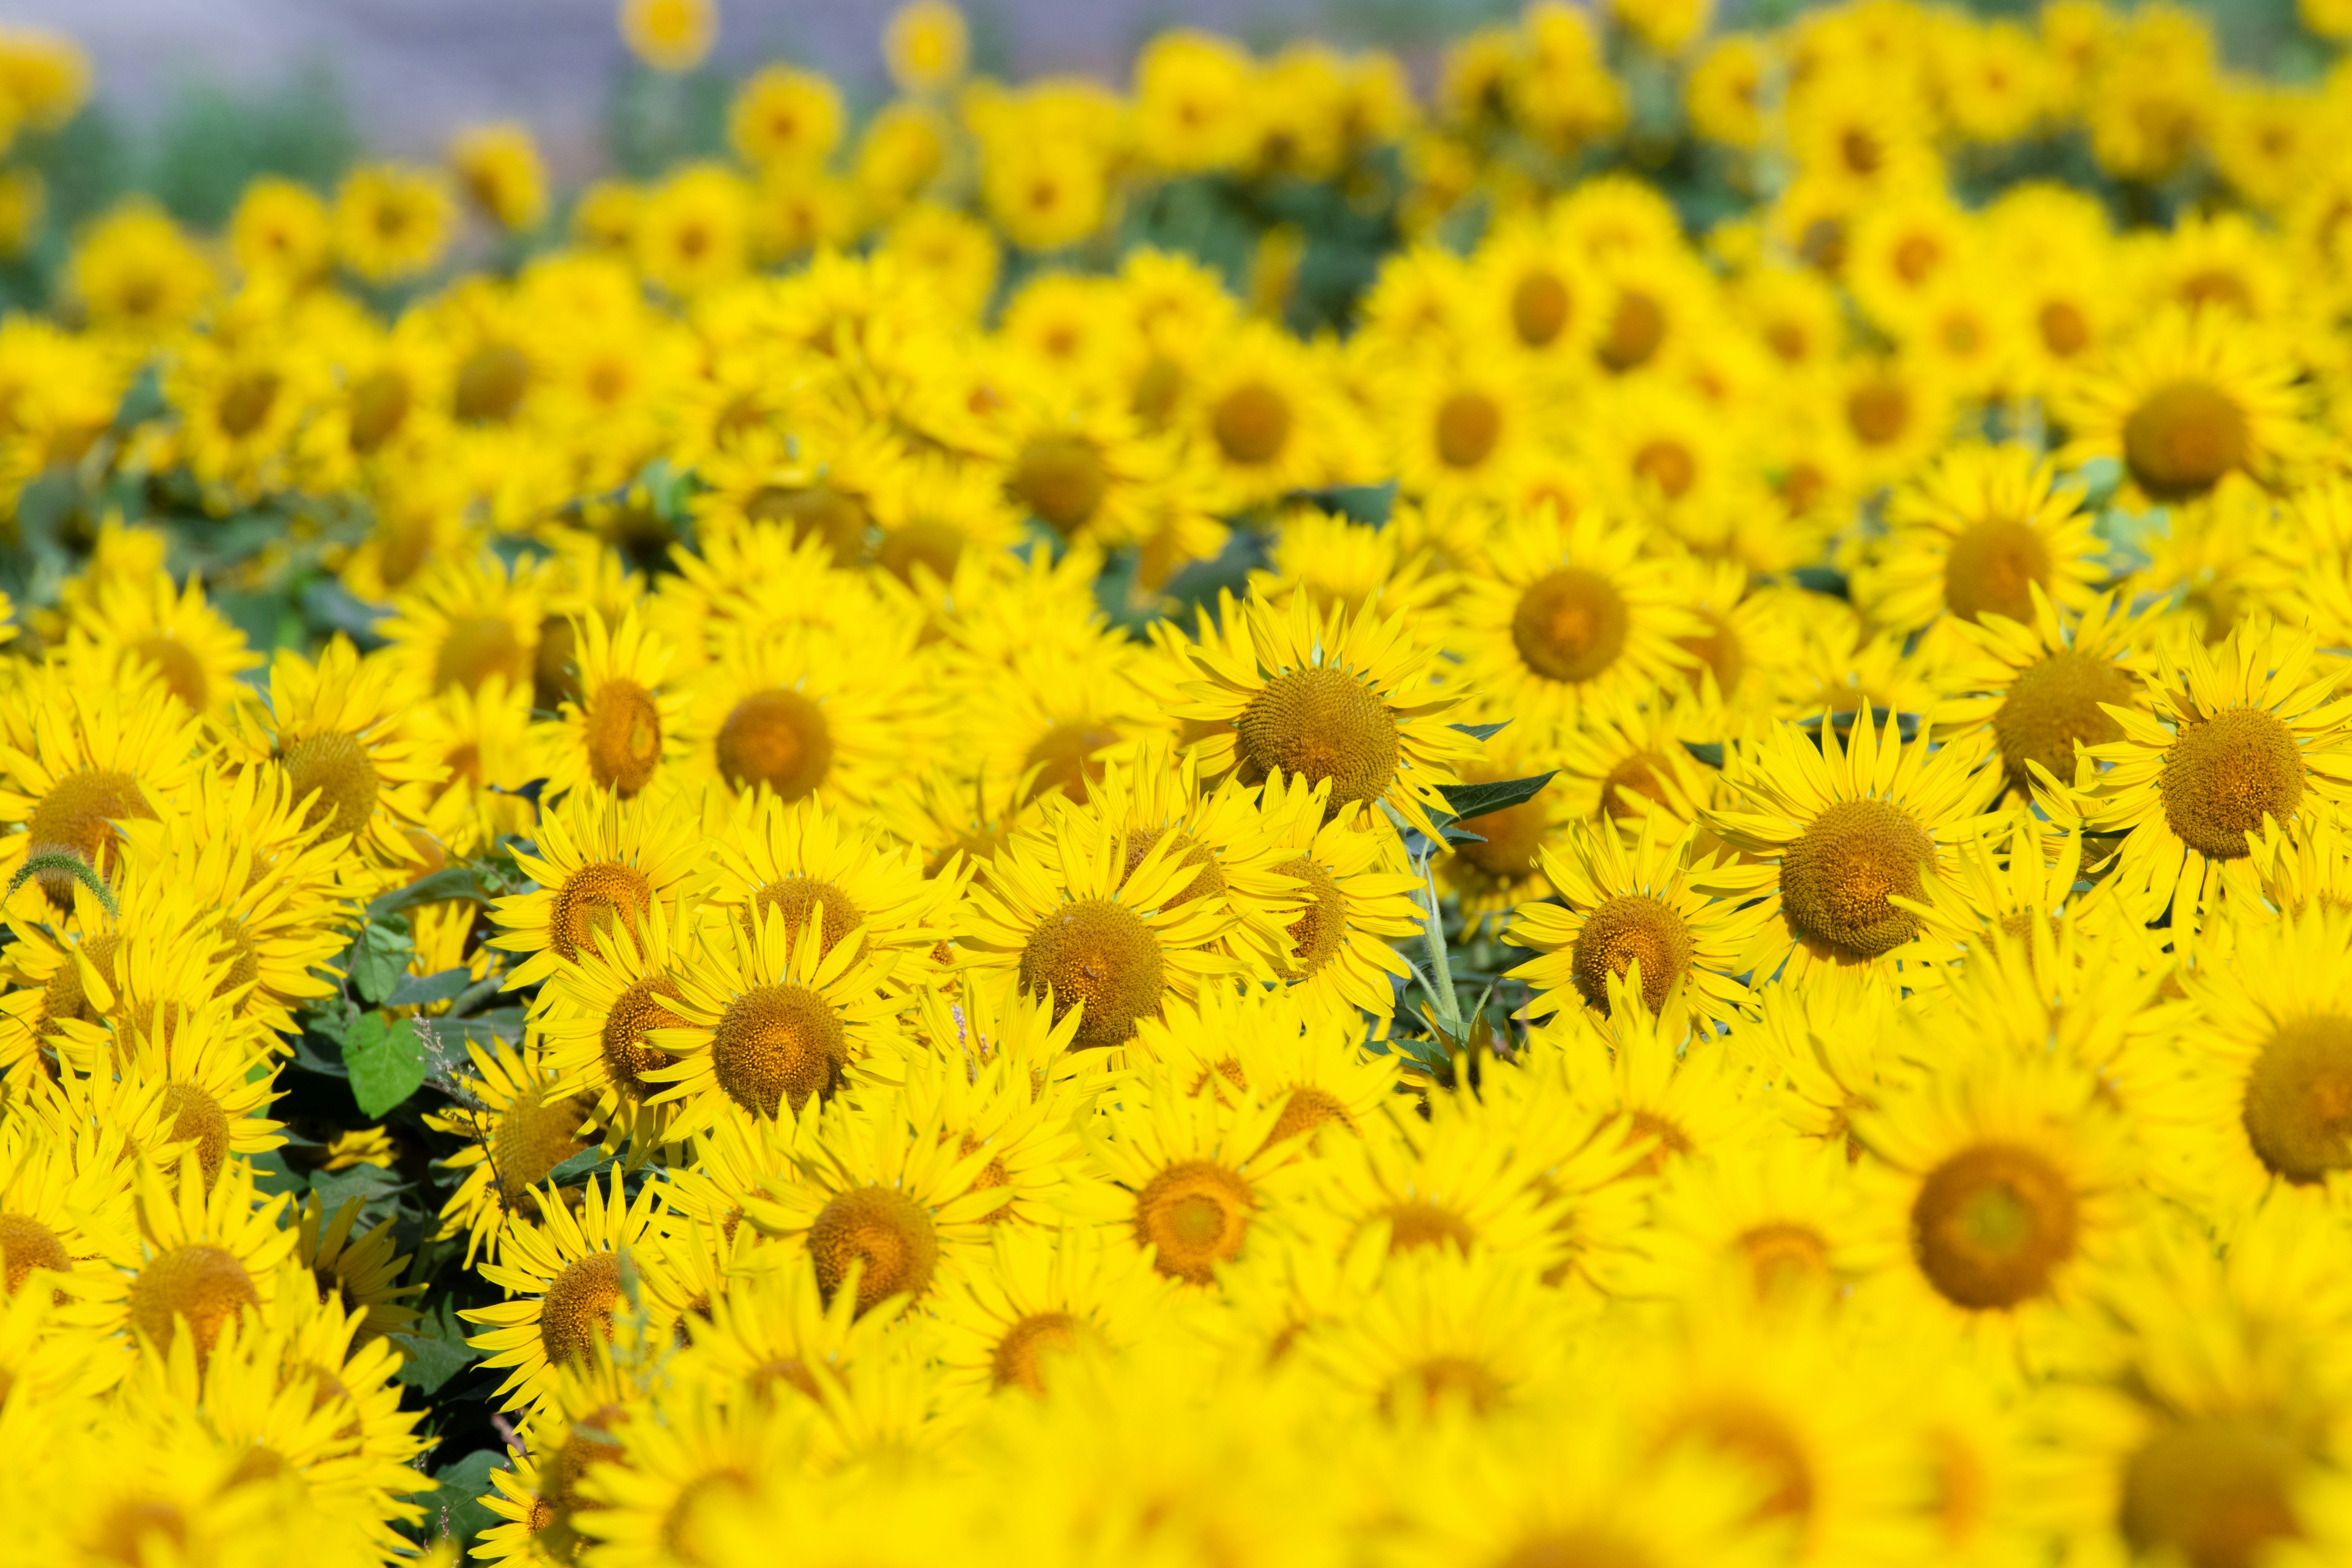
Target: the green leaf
pixel 439 986
pixel 1469 800
pixel 1710 752
pixel 437 1349
pixel 587 1164
pixel 385 1062
pixel 378 962
pixel 365 1183
pixel 449 882
pixel 451 1509
pixel 1482 731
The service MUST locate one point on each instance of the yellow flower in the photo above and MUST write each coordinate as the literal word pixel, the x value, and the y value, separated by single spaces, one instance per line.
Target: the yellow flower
pixel 670 34
pixel 1978 533
pixel 782 117
pixel 282 228
pixel 926 44
pixel 604 864
pixel 500 167
pixel 1193 108
pixel 137 275
pixel 392 221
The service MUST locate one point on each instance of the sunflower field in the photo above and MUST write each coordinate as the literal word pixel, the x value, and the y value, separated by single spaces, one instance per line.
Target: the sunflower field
pixel 1581 802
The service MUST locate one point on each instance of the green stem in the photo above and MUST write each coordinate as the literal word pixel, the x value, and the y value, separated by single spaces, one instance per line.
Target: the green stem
pixel 73 865
pixel 1448 1014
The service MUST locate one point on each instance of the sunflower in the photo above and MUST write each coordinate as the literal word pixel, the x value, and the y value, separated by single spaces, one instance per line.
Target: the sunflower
pixel 1347 565
pixel 622 726
pixel 2184 403
pixel 1045 1294
pixel 1555 615
pixel 602 863
pixel 1488 877
pixel 1330 698
pixel 2248 731
pixel 391 222
pixel 1443 1333
pixel 2043 682
pixel 1194 1172
pixel 65 1206
pixel 1083 472
pixel 674 1484
pixel 775 1335
pixel 1787 1217
pixel 770 1016
pixel 359 1273
pixel 1062 911
pixel 1460 429
pixel 804 709
pixel 1537 293
pixel 1267 1044
pixel 1267 418
pixel 1676 1092
pixel 1846 829
pixel 1628 759
pixel 1060 714
pixel 1975 534
pixel 131 629
pixel 204 1254
pixel 1359 898
pixel 81 759
pixel 517 1129
pixel 938 512
pixel 575 1271
pixel 594 1018
pixel 1623 903
pixel 464 623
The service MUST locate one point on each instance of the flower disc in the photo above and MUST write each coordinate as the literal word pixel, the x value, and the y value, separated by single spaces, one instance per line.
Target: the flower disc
pixel 1320 930
pixel 1628 927
pixel 1835 880
pixel 1252 423
pixel 1098 951
pixel 1019 1357
pixel 2222 776
pixel 2215 1490
pixel 2298 1105
pixel 776 1046
pixel 1195 1215
pixel 26 1244
pixel 1061 479
pixel 1321 723
pixel 77 817
pixel 336 765
pixel 1993 567
pixel 1569 624
pixel 779 739
pixel 580 1303
pixel 588 900
pixel 2053 704
pixel 204 1285
pixel 2182 438
pixel 1991 1223
pixel 624 737
pixel 886 1231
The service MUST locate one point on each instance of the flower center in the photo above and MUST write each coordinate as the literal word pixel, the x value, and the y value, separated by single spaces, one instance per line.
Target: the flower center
pixel 1416 1223
pixel 886 1231
pixel 1991 1223
pixel 1761 1443
pixel 63 998
pixel 1992 568
pixel 138 1530
pixel 1321 723
pixel 1637 329
pixel 1539 307
pixel 2216 1491
pixel 1252 424
pixel 635 1013
pixel 579 1304
pixel 196 1118
pixel 246 403
pixel 1021 1354
pixel 1782 1256
pixel 1578 1548
pixel 1100 953
pixel 624 737
pixel 2182 438
pixel 379 407
pixel 1308 1109
pixel 1469 424
pixel 1569 624
pixel 1634 779
pixel 801 897
pixel 2053 704
pixel 554 666
pixel 336 766
pixel 491 384
pixel 586 906
pixel 533 1137
pixel 1061 479
pixel 1209 880
pixel 477 648
pixel 1509 839
pixel 1321 929
pixel 931 543
pixel 244 958
pixel 2065 332
pixel 1836 880
pixel 26 1244
pixel 1629 927
pixel 1193 1214
pixel 588 1444
pixel 77 817
pixel 202 1286
pixel 1428 1386
pixel 1669 465
pixel 178 668
pixel 2298 1103
pixel 818 512
pixel 1878 412
pixel 2224 775
pixel 776 1046
pixel 1067 758
pixel 779 739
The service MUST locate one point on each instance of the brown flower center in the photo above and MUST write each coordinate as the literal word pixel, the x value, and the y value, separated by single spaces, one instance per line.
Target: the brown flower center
pixel 1629 928
pixel 779 739
pixel 1321 723
pixel 624 732
pixel 1836 880
pixel 77 817
pixel 1193 1214
pixel 2182 438
pixel 1992 1223
pixel 1100 953
pixel 1569 624
pixel 1992 568
pixel 776 1046
pixel 2216 1491
pixel 2053 704
pixel 592 901
pixel 579 1305
pixel 1252 423
pixel 883 1229
pixel 1062 480
pixel 2224 775
pixel 201 1286
pixel 2298 1098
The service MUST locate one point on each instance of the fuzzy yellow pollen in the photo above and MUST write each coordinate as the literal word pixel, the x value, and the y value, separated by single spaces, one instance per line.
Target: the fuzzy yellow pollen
pixel 1781 1256
pixel 776 1045
pixel 779 739
pixel 1414 1224
pixel 2298 1100
pixel 1836 880
pixel 202 1286
pixel 1569 624
pixel 2224 775
pixel 1068 758
pixel 2182 438
pixel 1878 412
pixel 379 404
pixel 1508 840
pixel 1193 1215
pixel 2053 704
pixel 1062 480
pixel 1627 928
pixel 196 1118
pixel 531 1138
pixel 77 817
pixel 1019 1360
pixel 26 1244
pixel 336 766
pixel 882 1228
pixel 1993 568
pixel 2211 1493
pixel 491 384
pixel 177 667
pixel 1252 423
pixel 1100 953
pixel 1320 932
pixel 579 1304
pixel 1469 424
pixel 1539 309
pixel 1992 1224
pixel 1209 880
pixel 592 903
pixel 1321 723
pixel 1308 1109
pixel 1630 783
pixel 801 898
pixel 624 734
pixel 635 1013
pixel 587 1444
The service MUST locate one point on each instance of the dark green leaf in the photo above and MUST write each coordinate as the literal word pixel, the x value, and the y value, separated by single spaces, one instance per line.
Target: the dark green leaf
pixel 586 1163
pixel 378 962
pixel 1469 800
pixel 439 986
pixel 1482 732
pixel 1458 837
pixel 437 1349
pixel 1707 752
pixel 451 1511
pixel 330 607
pixel 1820 579
pixel 449 882
pixel 385 1062
pixel 365 1183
